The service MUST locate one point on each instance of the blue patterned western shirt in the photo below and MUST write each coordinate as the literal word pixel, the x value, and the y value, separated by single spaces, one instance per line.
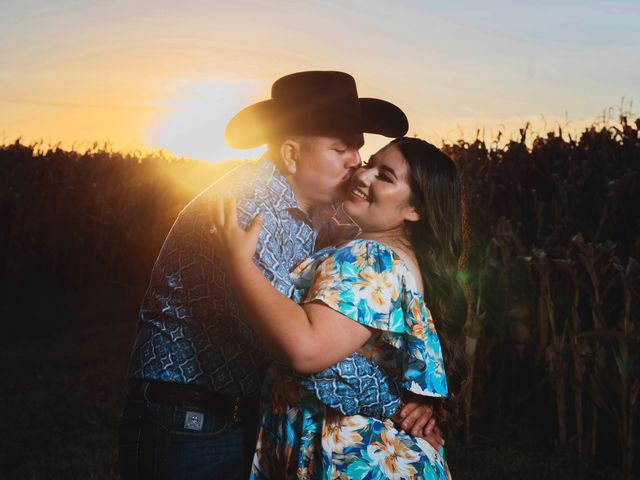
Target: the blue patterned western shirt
pixel 190 329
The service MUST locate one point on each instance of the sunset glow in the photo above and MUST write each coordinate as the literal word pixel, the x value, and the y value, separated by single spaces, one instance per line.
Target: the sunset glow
pixel 194 119
pixel 169 75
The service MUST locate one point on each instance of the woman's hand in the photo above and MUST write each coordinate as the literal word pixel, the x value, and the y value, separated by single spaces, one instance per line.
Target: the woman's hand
pixel 232 242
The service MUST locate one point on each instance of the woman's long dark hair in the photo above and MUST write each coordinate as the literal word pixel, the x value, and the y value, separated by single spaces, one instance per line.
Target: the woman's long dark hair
pixel 436 240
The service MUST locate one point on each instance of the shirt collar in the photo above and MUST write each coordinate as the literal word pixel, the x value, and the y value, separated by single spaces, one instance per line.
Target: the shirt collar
pixel 280 188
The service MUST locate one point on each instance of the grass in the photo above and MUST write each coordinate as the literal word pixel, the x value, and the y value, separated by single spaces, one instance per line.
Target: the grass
pixel 67 359
pixel 64 359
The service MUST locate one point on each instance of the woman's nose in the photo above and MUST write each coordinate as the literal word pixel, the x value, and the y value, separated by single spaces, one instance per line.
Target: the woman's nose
pixel 363 176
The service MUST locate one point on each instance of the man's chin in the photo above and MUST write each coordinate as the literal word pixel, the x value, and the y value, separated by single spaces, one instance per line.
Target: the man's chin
pixel 343 192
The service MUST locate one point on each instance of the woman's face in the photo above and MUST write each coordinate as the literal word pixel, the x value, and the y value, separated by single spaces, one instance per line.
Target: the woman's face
pixel 379 197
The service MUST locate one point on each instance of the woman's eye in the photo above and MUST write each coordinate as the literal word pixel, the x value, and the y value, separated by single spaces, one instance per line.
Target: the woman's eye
pixel 383 177
pixel 340 150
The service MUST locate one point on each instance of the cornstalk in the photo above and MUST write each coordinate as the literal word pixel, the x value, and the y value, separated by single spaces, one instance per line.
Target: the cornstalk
pixel 546 318
pixel 629 389
pixel 578 366
pixel 472 331
pixel 576 345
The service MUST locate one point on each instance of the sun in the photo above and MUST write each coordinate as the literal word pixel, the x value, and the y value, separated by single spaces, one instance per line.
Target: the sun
pixel 194 118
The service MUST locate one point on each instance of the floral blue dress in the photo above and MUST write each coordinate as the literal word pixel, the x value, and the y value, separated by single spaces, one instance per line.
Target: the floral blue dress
pixel 299 437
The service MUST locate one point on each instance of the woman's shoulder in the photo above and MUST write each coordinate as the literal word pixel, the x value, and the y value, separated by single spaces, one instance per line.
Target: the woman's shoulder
pixel 369 249
pixel 364 260
pixel 357 260
pixel 381 258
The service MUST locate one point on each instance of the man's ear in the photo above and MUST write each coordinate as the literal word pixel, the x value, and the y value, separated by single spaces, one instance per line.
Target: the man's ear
pixel 411 215
pixel 290 153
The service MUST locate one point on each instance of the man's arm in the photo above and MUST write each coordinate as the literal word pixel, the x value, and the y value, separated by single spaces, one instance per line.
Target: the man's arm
pixel 358 386
pixel 355 386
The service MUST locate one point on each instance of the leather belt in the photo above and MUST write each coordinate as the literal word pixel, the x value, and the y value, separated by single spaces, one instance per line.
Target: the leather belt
pixel 183 395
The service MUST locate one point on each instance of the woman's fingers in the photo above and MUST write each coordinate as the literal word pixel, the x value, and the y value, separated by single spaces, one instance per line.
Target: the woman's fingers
pixel 230 211
pixel 217 213
pixel 224 213
pixel 230 240
pixel 254 228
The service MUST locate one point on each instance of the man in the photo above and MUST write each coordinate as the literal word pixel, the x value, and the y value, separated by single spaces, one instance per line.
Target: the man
pixel 197 368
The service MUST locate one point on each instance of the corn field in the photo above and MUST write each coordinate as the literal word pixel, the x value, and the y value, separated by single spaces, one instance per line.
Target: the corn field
pixel 71 219
pixel 550 274
pixel 551 279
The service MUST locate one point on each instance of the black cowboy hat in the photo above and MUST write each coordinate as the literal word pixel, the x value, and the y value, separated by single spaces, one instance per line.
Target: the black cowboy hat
pixel 314 103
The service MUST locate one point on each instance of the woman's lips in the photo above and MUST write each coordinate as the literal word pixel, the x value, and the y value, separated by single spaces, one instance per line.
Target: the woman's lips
pixel 359 194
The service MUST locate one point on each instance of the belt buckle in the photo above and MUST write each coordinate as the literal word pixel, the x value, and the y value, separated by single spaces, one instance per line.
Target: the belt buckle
pixel 235 416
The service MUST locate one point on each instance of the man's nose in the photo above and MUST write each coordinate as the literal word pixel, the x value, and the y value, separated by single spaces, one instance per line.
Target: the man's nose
pixel 354 161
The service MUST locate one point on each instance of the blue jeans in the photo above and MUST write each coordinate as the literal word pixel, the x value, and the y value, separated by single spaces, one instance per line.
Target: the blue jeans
pixel 154 443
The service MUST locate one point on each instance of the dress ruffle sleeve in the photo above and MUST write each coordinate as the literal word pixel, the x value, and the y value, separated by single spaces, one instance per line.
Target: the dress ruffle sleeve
pixel 369 283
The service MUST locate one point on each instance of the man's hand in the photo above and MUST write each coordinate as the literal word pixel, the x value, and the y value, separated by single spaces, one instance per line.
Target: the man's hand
pixel 415 416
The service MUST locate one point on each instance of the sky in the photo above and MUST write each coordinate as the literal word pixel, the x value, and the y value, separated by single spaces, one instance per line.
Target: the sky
pixel 170 74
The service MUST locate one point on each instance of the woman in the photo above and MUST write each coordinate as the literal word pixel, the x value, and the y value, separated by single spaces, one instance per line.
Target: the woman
pixel 366 296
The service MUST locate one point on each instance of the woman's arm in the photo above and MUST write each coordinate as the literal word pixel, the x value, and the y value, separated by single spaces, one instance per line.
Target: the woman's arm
pixel 310 337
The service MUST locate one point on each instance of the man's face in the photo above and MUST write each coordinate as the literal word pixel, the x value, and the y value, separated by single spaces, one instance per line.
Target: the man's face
pixel 325 167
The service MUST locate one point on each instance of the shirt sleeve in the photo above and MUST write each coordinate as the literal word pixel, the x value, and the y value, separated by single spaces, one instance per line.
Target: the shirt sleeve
pixel 355 386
